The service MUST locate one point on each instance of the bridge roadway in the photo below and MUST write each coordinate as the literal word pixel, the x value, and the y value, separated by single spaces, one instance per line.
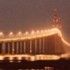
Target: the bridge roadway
pixel 14 62
pixel 11 58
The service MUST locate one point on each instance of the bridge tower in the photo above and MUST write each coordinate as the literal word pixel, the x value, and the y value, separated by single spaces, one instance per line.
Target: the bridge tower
pixel 56 19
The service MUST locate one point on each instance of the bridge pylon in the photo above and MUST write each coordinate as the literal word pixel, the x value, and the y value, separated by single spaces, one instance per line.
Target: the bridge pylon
pixel 56 19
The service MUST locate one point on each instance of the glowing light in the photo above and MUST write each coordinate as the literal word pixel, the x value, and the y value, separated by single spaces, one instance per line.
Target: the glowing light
pixel 66 56
pixel 19 33
pixel 1 34
pixel 11 58
pixel 32 32
pixel 42 31
pixel 31 57
pixel 19 58
pixel 1 57
pixel 47 57
pixel 37 31
pixel 11 34
pixel 36 34
pixel 26 33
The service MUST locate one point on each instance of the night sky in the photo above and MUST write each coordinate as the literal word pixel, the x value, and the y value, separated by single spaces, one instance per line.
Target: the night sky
pixel 25 15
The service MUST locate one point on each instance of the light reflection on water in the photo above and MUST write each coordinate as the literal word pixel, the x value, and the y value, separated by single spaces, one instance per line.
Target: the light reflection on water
pixel 45 68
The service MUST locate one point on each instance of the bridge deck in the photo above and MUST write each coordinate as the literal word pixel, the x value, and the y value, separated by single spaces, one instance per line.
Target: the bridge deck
pixel 29 57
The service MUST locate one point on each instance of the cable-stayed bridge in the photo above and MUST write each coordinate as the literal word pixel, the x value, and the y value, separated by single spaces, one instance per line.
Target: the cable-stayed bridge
pixel 35 49
pixel 36 45
pixel 44 44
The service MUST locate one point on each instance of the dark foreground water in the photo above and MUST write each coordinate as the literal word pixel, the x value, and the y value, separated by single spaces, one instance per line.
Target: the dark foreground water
pixel 46 68
pixel 35 65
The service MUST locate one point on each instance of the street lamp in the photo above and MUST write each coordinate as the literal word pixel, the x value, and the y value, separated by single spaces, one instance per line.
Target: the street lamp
pixel 11 34
pixel 19 33
pixel 1 34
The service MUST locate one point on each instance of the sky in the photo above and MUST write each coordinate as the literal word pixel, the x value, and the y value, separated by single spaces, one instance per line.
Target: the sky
pixel 25 15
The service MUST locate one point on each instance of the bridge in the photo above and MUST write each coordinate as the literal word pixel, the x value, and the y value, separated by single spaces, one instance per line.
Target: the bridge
pixel 45 44
pixel 35 49
pixel 37 45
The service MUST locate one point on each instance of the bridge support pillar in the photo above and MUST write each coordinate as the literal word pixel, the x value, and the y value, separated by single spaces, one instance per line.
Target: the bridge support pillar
pixel 3 48
pixel 8 48
pixel 40 46
pixel 43 46
pixel 35 46
pixel 30 46
pixel 24 47
pixel 13 49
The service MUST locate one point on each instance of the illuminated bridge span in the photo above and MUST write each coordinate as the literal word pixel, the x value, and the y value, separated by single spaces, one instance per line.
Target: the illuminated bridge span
pixel 29 45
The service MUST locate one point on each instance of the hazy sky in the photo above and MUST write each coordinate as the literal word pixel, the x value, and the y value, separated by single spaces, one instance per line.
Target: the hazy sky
pixel 23 15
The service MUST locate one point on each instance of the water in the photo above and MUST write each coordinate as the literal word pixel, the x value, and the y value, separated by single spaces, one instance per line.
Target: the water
pixel 45 68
